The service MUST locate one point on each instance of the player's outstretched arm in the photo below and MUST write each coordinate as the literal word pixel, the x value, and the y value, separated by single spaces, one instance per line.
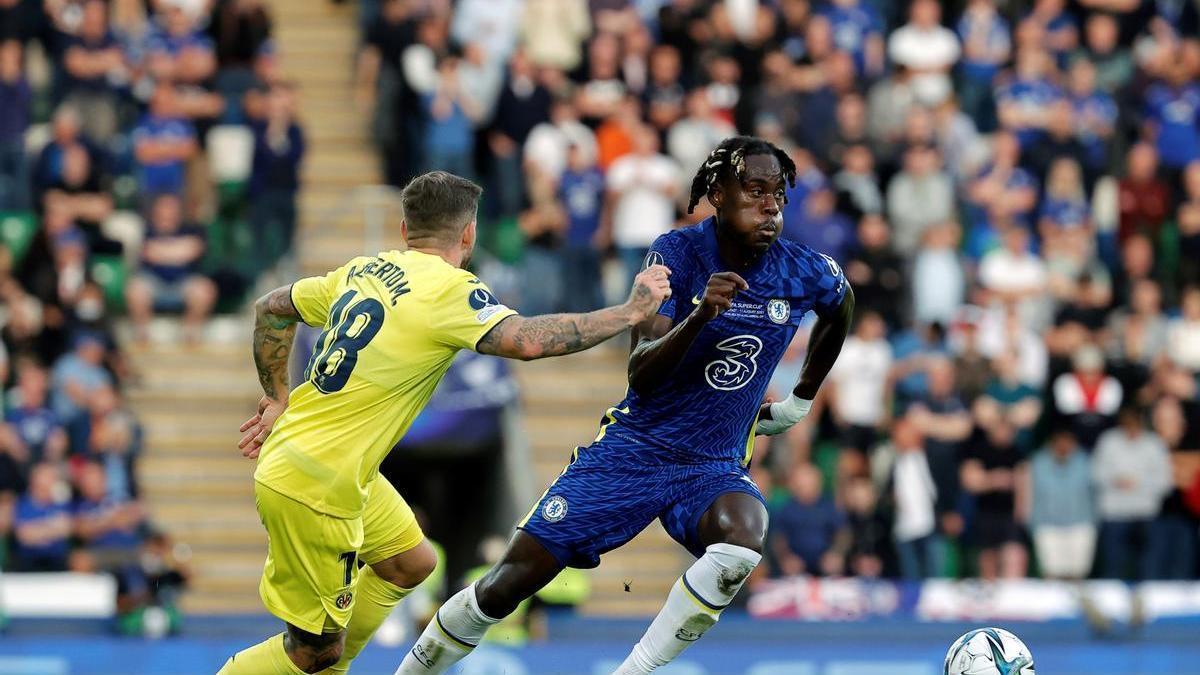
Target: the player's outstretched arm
pixel 538 337
pixel 275 319
pixel 824 345
pixel 661 346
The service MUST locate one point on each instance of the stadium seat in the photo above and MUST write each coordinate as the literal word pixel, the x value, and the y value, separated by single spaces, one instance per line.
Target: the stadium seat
pixel 36 138
pixel 128 228
pixel 230 153
pixel 109 271
pixel 16 232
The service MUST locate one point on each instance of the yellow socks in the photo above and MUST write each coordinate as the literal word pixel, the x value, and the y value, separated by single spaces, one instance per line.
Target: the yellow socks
pixel 265 658
pixel 376 600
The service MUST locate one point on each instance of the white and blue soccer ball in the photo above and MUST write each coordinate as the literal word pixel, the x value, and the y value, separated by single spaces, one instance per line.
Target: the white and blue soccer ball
pixel 988 651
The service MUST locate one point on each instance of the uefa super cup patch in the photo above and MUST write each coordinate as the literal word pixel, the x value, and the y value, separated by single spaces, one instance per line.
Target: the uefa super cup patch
pixel 480 298
pixel 485 303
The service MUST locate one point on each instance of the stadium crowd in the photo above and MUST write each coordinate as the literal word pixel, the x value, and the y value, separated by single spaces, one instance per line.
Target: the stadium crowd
pixel 149 156
pixel 1012 187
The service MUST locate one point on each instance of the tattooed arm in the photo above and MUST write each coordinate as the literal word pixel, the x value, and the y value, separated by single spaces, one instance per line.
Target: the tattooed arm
pixel 275 319
pixel 538 337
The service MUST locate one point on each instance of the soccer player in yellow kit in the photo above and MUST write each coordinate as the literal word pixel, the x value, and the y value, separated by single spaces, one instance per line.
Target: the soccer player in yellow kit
pixel 391 324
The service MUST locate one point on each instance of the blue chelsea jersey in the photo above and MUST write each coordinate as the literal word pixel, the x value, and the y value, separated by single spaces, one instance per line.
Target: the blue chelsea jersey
pixel 705 411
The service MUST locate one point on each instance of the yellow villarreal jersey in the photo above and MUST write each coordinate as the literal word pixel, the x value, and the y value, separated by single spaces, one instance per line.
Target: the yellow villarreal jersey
pixel 391 324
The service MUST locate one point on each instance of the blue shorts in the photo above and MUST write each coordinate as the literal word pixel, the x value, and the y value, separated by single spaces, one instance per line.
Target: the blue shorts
pixel 602 501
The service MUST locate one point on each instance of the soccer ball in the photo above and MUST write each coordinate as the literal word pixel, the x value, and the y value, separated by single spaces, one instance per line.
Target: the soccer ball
pixel 988 651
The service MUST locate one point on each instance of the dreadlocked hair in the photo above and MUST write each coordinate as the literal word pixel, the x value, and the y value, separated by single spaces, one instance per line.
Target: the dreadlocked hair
pixel 729 159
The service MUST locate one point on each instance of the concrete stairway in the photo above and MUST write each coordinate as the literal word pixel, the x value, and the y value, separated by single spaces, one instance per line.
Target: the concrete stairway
pixel 318 42
pixel 564 400
pixel 197 485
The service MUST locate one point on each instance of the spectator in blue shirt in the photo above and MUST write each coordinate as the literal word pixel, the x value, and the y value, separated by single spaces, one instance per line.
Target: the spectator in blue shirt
pixel 42 523
pixel 1062 514
pixel 177 52
pixel 1172 110
pixel 450 134
pixel 581 191
pixel 170 278
pixel 279 146
pixel 1001 193
pixel 1059 33
pixel 163 142
pixel 39 430
pixel 824 228
pixel 857 30
pixel 14 120
pixel 806 528
pixel 809 179
pixel 78 374
pixel 95 66
pixel 49 170
pixel 987 44
pixel 1064 206
pixel 108 434
pixel 1024 101
pixel 1095 113
pixel 105 523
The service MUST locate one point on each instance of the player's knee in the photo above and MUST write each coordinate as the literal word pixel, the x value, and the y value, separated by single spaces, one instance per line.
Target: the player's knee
pixel 419 569
pixel 746 530
pixel 410 568
pixel 747 539
pixel 737 519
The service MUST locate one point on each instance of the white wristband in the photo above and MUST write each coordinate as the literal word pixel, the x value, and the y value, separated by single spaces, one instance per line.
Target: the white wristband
pixel 790 410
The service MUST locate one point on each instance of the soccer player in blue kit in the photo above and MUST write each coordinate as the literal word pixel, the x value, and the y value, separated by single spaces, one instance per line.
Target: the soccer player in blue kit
pixel 677 447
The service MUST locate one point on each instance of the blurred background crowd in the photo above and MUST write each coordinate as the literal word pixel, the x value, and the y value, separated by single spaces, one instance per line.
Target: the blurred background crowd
pixel 1013 188
pixel 148 164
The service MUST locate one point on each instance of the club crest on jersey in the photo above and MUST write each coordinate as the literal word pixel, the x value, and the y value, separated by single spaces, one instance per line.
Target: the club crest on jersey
pixel 343 601
pixel 555 509
pixel 653 258
pixel 737 367
pixel 779 311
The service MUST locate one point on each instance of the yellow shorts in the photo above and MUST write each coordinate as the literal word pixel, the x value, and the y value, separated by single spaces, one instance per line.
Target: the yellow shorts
pixel 312 558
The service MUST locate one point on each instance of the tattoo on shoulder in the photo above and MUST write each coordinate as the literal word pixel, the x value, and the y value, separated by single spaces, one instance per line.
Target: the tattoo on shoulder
pixel 279 311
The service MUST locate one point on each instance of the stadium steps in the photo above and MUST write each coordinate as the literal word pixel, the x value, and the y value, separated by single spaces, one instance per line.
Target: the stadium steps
pixel 190 402
pixel 563 400
pixel 318 42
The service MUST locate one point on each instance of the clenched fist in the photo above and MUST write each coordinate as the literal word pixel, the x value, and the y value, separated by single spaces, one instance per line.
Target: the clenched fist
pixel 650 288
pixel 718 296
